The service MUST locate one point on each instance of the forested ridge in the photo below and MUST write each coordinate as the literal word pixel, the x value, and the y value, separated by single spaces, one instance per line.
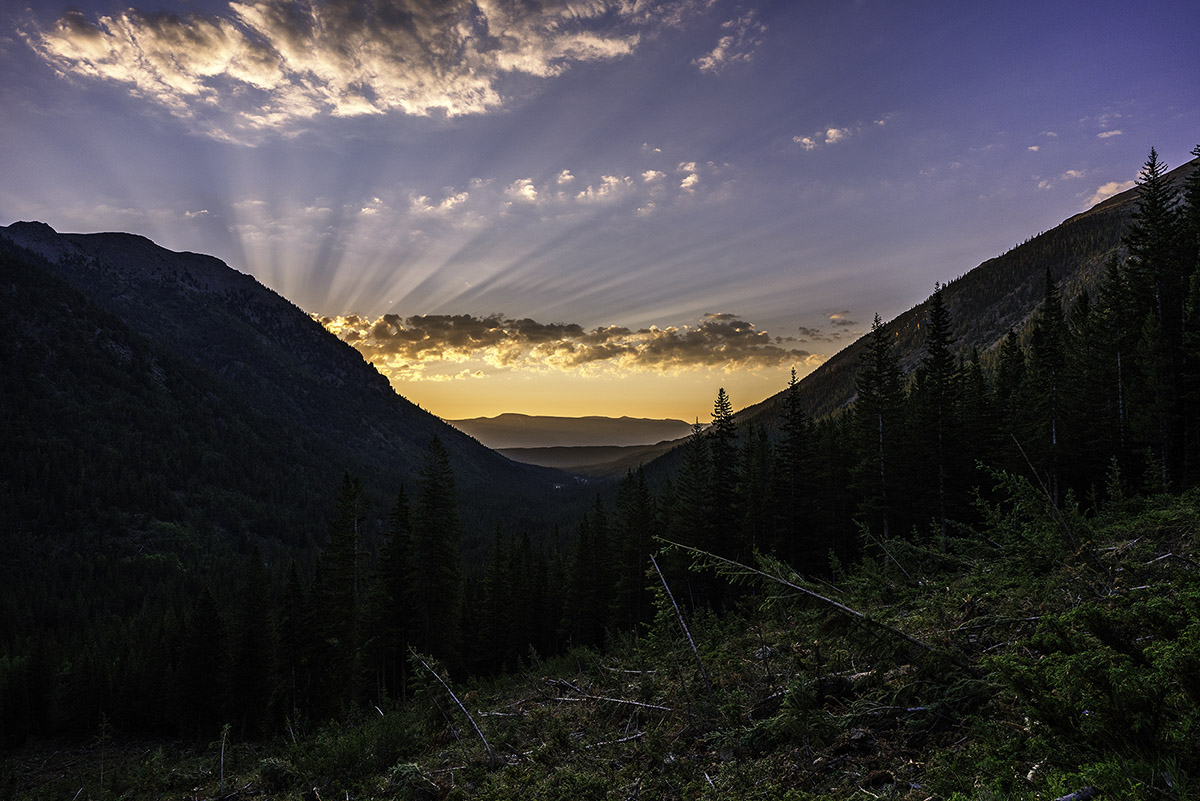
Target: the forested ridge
pixel 978 578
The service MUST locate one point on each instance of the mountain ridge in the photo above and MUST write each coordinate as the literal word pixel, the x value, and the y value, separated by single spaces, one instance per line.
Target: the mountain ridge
pixel 261 358
pixel 516 430
pixel 1074 253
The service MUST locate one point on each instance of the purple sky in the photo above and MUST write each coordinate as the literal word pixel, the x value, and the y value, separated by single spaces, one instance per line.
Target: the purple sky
pixel 603 207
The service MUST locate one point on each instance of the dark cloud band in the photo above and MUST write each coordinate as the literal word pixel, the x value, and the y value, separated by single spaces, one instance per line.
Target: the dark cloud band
pixel 403 347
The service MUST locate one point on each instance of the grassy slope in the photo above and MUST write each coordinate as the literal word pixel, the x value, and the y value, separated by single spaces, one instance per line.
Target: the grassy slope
pixel 1065 653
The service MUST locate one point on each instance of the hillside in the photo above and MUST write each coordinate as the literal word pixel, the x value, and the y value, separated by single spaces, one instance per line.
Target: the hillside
pixel 212 388
pixel 987 302
pixel 1007 666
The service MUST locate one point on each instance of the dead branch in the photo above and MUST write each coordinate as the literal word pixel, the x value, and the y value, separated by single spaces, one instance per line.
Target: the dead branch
pixel 589 697
pixel 474 725
pixel 845 610
pixel 683 625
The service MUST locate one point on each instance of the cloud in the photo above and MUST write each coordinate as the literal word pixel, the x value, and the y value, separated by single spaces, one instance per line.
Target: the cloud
pixel 564 193
pixel 812 334
pixel 1069 175
pixel 830 135
pixel 1108 134
pixel 740 38
pixel 422 205
pixel 272 65
pixel 835 135
pixel 1105 191
pixel 416 348
pixel 609 188
pixel 841 319
pixel 1033 148
pixel 522 190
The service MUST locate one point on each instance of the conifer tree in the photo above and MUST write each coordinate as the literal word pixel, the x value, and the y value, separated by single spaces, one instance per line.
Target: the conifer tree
pixel 723 486
pixel 436 570
pixel 589 600
pixel 878 412
pixel 1160 277
pixel 201 667
pixel 935 401
pixel 753 484
pixel 248 680
pixel 1045 389
pixel 691 518
pixel 296 646
pixel 793 485
pixel 634 529
pixel 339 593
pixel 1190 381
pixel 390 603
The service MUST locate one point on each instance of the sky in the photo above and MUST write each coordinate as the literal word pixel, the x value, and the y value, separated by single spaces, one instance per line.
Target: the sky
pixel 580 207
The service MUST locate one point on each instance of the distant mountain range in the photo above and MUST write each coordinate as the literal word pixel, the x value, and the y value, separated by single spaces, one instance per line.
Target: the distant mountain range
pixel 145 388
pixel 540 431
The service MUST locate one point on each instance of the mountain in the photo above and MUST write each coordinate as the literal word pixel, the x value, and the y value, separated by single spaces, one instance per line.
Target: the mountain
pixel 146 389
pixel 984 304
pixel 535 431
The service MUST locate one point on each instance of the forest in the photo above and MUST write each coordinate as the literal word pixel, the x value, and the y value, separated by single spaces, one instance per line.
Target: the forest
pixel 985 561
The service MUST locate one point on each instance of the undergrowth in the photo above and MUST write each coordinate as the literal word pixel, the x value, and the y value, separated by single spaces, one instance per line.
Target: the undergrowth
pixel 1045 652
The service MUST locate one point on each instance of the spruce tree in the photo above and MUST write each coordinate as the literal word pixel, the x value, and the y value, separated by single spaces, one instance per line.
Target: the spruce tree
pixel 339 593
pixel 1159 277
pixel 793 485
pixel 388 629
pixel 878 412
pixel 1045 434
pixel 935 402
pixel 723 486
pixel 436 570
pixel 251 664
pixel 691 518
pixel 634 528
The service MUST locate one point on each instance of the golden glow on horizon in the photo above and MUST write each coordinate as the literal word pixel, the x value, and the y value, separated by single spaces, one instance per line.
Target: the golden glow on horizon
pixel 460 366
pixel 686 396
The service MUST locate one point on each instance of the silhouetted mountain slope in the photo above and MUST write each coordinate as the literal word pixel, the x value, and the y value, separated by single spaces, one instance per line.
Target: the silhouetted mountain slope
pixel 999 295
pixel 192 391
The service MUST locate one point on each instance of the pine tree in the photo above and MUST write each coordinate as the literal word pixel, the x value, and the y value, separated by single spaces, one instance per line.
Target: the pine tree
pixel 388 630
pixel 935 401
pixel 878 413
pixel 589 597
pixel 691 519
pixel 201 666
pixel 251 665
pixel 339 592
pixel 1190 380
pixel 723 486
pixel 436 577
pixel 793 484
pixel 1044 391
pixel 753 484
pixel 1159 277
pixel 634 529
pixel 296 646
